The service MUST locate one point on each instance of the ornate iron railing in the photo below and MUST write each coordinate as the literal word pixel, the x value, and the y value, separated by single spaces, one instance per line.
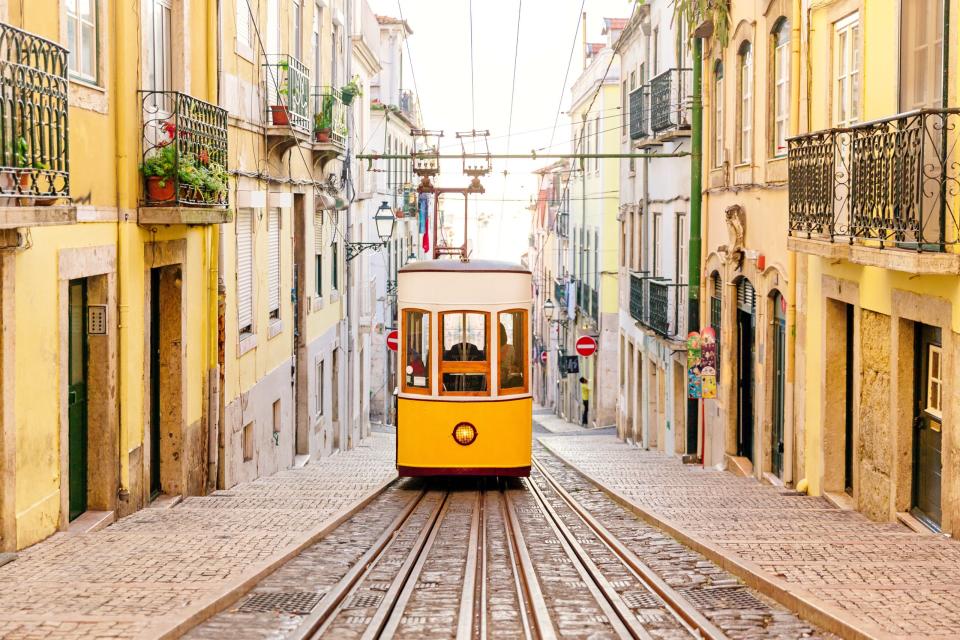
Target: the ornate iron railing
pixel 563 224
pixel 34 158
pixel 893 182
pixel 594 303
pixel 658 304
pixel 560 295
pixel 636 297
pixel 329 116
pixel 670 100
pixel 184 160
pixel 408 106
pixel 658 307
pixel 287 91
pixel 638 109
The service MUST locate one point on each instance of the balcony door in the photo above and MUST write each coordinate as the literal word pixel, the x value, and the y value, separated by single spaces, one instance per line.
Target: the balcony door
pixel 746 324
pixel 921 54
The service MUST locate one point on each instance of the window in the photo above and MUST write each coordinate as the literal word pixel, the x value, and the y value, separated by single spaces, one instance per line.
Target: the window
pixel 416 345
pixel 243 23
pixel 781 82
pixel 465 364
pixel 317 21
pixel 745 143
pixel 318 252
pixel 846 71
pixel 718 150
pixel 320 386
pixel 273 262
pixel 716 308
pixel 921 54
pixel 624 111
pixel 334 265
pixel 82 38
pixel 248 442
pixel 297 30
pixel 277 419
pixel 245 271
pixel 596 141
pixel 656 243
pixel 682 248
pixel 513 360
pixel 273 27
pixel 157 34
pixel 596 260
pixel 934 382
pixel 335 57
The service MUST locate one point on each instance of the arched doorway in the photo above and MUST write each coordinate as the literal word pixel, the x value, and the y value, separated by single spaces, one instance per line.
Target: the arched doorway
pixel 779 382
pixel 746 325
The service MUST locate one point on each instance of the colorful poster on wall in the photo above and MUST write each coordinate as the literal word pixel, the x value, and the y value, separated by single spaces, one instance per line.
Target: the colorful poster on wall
pixel 694 383
pixel 708 363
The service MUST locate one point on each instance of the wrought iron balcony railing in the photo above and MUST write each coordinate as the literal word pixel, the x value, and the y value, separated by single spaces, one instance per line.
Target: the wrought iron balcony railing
pixel 893 182
pixel 329 117
pixel 657 304
pixel 34 160
pixel 287 91
pixel 640 113
pixel 670 94
pixel 408 106
pixel 184 160
pixel 560 295
pixel 594 303
pixel 563 224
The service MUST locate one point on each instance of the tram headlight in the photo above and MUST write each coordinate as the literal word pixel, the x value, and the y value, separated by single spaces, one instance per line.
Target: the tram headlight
pixel 464 433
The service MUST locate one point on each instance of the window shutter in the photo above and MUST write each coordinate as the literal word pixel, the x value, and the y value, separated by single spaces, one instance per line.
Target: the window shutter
pixel 273 257
pixel 245 269
pixel 317 232
pixel 746 297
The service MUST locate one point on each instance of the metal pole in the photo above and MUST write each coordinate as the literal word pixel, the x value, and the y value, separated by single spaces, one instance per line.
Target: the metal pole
pixel 696 192
pixel 515 156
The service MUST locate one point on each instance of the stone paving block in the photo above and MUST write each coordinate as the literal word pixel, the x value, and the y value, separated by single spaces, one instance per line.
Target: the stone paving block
pixel 880 579
pixel 158 569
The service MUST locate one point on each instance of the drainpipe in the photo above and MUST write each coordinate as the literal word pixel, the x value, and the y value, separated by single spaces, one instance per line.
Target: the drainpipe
pixel 216 287
pixel 347 238
pixel 696 194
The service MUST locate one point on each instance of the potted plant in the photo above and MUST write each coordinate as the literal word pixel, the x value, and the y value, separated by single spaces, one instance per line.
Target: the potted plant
pixel 280 113
pixel 30 171
pixel 214 179
pixel 351 90
pixel 159 171
pixel 322 120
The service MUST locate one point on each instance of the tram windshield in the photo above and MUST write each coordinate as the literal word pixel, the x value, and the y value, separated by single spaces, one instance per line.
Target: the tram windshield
pixel 416 340
pixel 512 349
pixel 464 341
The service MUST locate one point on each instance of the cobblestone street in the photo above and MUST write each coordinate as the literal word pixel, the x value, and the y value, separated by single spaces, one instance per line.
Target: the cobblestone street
pixel 160 570
pixel 835 566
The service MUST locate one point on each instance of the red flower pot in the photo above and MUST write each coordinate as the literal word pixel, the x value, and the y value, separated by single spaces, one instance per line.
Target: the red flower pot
pixel 32 202
pixel 323 135
pixel 157 192
pixel 280 115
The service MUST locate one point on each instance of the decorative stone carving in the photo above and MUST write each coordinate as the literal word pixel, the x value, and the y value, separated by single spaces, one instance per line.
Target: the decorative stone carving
pixel 737 228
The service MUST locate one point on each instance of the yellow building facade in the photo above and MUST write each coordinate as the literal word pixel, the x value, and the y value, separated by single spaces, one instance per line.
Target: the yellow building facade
pixel 873 222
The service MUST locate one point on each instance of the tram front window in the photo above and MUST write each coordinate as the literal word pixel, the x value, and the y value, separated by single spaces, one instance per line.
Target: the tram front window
pixel 465 364
pixel 512 351
pixel 416 340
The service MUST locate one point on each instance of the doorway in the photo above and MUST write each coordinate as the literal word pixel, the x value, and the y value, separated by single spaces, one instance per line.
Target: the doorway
pixel 166 381
pixel 301 301
pixel 335 402
pixel 927 425
pixel 779 382
pixel 746 308
pixel 848 403
pixel 77 397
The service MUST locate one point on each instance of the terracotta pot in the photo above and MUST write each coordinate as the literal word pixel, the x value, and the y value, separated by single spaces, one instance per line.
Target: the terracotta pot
pixel 323 135
pixel 157 192
pixel 280 115
pixel 32 202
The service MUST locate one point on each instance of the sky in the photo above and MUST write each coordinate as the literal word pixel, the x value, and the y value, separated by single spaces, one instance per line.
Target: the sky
pixel 440 53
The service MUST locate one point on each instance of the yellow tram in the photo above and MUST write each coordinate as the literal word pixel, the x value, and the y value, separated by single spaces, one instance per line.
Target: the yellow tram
pixel 464 405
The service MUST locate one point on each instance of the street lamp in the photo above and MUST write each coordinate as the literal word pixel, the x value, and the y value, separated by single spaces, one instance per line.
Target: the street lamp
pixel 385 222
pixel 548 308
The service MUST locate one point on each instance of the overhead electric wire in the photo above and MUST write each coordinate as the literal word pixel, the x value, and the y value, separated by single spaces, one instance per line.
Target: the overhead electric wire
pixel 473 97
pixel 566 75
pixel 413 74
pixel 513 90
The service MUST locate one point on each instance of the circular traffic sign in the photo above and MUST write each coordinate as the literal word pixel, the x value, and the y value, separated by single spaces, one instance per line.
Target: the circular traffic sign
pixel 393 339
pixel 586 346
pixel 543 357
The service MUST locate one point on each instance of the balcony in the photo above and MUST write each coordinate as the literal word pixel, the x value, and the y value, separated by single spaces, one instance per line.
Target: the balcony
pixel 34 165
pixel 184 160
pixel 670 94
pixel 881 193
pixel 657 304
pixel 560 294
pixel 408 107
pixel 563 224
pixel 329 123
pixel 639 113
pixel 287 109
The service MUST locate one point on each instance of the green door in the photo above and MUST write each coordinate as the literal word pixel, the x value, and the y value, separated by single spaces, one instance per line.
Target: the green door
pixel 155 487
pixel 77 397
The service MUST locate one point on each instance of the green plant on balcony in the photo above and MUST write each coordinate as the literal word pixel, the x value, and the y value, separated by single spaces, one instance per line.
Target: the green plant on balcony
pixel 351 90
pixel 28 171
pixel 280 113
pixel 323 120
pixel 159 171
pixel 194 176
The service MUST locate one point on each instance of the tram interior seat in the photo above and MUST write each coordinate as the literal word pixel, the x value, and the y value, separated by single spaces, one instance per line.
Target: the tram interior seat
pixel 464 352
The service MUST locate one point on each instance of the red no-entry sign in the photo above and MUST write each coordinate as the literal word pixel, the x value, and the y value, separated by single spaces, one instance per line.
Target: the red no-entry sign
pixel 586 346
pixel 543 357
pixel 393 340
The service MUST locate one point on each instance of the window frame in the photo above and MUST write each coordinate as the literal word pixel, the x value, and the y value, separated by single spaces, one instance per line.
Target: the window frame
pixel 525 368
pixel 75 23
pixel 468 366
pixel 296 29
pixel 932 381
pixel 781 55
pixel 406 388
pixel 849 28
pixel 745 105
pixel 719 152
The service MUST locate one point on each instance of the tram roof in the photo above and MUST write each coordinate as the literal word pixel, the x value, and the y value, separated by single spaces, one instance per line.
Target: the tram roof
pixel 459 266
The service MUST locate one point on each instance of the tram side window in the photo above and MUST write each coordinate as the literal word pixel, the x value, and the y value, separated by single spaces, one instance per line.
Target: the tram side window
pixel 417 340
pixel 512 350
pixel 465 363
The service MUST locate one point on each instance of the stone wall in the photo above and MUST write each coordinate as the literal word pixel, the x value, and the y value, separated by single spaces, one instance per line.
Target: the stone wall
pixel 876 440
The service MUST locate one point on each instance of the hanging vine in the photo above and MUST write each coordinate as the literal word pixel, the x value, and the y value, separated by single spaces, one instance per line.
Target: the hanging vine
pixel 691 15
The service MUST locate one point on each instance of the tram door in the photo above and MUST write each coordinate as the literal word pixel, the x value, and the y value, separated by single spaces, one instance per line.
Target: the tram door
pixel 746 307
pixel 927 425
pixel 779 381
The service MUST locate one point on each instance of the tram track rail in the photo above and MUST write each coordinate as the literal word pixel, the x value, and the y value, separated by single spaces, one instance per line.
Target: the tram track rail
pixel 680 607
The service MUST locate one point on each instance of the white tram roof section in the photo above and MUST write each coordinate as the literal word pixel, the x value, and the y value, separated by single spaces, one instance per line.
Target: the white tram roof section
pixel 454 283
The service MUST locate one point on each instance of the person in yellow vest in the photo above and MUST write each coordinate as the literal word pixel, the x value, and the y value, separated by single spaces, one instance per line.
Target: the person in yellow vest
pixel 585 395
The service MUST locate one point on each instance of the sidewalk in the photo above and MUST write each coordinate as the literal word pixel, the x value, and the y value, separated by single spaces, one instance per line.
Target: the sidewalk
pixel 160 571
pixel 836 568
